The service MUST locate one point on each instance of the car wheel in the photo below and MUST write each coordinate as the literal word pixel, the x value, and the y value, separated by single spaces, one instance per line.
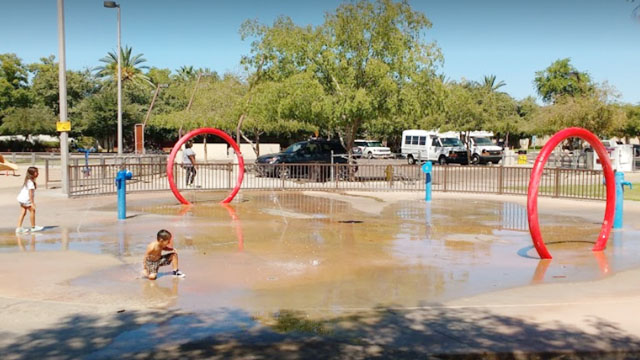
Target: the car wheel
pixel 475 159
pixel 369 155
pixel 411 160
pixel 442 160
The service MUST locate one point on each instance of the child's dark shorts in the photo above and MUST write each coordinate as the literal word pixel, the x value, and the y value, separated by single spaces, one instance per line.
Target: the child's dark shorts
pixel 152 266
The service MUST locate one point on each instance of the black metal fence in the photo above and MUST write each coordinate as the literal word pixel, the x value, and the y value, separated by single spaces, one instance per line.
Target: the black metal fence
pixel 151 176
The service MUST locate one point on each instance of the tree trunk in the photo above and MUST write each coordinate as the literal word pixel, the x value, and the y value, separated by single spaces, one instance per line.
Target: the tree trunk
pixel 257 144
pixel 506 140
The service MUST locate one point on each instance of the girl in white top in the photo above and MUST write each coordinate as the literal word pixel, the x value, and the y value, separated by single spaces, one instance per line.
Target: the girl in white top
pixel 27 202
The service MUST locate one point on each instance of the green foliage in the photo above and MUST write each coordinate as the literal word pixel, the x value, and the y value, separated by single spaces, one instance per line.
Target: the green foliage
pixel 45 84
pixel 96 116
pixel 131 67
pixel 216 104
pixel 362 64
pixel 37 119
pixel 489 83
pixel 562 79
pixel 14 90
pixel 159 76
pixel 589 112
pixel 631 125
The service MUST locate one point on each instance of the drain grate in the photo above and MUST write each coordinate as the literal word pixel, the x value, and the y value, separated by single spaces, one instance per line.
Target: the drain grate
pixel 351 221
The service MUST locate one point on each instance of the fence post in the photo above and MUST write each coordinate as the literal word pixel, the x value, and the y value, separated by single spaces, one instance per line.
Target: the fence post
pixel 556 190
pixel 71 182
pixel 332 172
pixel 46 173
pixel 33 159
pixel 281 176
pixel 13 157
pixel 445 177
pixel 500 179
pixel 230 165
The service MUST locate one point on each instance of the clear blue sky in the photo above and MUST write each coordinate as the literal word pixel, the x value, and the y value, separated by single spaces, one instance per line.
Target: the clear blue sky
pixel 509 38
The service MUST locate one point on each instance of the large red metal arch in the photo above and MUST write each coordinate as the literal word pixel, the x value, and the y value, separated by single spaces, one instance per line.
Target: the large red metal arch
pixel 189 135
pixel 536 174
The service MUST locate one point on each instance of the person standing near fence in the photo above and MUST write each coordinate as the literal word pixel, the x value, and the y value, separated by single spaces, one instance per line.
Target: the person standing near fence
pixel 26 198
pixel 189 162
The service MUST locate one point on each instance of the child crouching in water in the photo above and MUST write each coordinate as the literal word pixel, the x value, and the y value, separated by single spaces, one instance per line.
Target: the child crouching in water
pixel 154 258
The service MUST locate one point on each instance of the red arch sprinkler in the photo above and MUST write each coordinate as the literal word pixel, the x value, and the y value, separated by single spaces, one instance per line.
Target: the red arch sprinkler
pixel 536 174
pixel 210 131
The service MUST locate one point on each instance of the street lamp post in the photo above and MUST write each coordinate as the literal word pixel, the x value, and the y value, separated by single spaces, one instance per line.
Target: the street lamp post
pixel 62 88
pixel 111 5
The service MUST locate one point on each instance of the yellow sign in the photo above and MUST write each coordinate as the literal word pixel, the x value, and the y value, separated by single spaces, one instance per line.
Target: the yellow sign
pixel 522 159
pixel 63 126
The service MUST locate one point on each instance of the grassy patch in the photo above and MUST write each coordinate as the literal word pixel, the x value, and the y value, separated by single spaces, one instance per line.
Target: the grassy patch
pixel 633 194
pixel 585 191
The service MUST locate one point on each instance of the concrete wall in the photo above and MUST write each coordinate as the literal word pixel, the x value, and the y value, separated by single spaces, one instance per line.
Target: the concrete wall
pixel 220 152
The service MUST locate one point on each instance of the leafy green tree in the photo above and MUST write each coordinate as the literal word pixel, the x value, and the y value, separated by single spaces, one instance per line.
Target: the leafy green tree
pixel 159 76
pixel 216 104
pixel 366 58
pixel 37 119
pixel 14 86
pixel 562 79
pixel 594 113
pixel 44 84
pixel 131 67
pixel 631 126
pixel 96 116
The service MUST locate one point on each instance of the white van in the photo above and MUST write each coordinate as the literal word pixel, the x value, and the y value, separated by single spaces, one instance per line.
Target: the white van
pixel 484 151
pixel 423 145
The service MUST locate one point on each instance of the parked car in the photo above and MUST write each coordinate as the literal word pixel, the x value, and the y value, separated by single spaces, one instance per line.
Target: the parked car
pixel 305 154
pixel 372 149
pixel 422 145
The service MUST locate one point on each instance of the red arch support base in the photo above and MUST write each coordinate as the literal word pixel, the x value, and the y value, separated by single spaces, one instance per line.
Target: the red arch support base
pixel 188 136
pixel 536 174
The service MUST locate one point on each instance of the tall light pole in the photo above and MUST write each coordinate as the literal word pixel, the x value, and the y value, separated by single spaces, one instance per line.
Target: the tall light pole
pixel 111 5
pixel 62 88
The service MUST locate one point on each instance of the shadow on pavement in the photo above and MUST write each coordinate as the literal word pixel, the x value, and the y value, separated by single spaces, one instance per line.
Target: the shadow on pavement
pixel 442 333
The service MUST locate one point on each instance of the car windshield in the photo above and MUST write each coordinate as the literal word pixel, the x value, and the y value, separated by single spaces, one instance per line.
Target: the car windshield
pixel 483 141
pixel 450 142
pixel 374 144
pixel 293 148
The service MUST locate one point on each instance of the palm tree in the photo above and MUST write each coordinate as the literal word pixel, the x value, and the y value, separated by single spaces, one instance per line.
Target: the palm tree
pixel 131 68
pixel 186 73
pixel 489 83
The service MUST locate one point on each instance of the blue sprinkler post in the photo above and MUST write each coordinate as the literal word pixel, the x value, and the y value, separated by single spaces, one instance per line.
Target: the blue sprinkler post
pixel 426 168
pixel 121 184
pixel 620 183
pixel 86 170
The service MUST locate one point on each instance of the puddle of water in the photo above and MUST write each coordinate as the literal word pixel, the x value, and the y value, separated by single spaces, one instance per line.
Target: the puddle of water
pixel 290 251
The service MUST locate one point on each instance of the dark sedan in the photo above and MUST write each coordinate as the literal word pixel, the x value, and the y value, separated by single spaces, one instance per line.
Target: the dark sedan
pixel 300 159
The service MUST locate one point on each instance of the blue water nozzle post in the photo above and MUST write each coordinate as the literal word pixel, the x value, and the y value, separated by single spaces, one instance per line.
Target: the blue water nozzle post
pixel 426 168
pixel 121 184
pixel 620 183
pixel 86 170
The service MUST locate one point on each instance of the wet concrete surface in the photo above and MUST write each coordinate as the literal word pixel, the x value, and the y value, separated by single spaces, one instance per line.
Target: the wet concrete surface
pixel 286 275
pixel 274 251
